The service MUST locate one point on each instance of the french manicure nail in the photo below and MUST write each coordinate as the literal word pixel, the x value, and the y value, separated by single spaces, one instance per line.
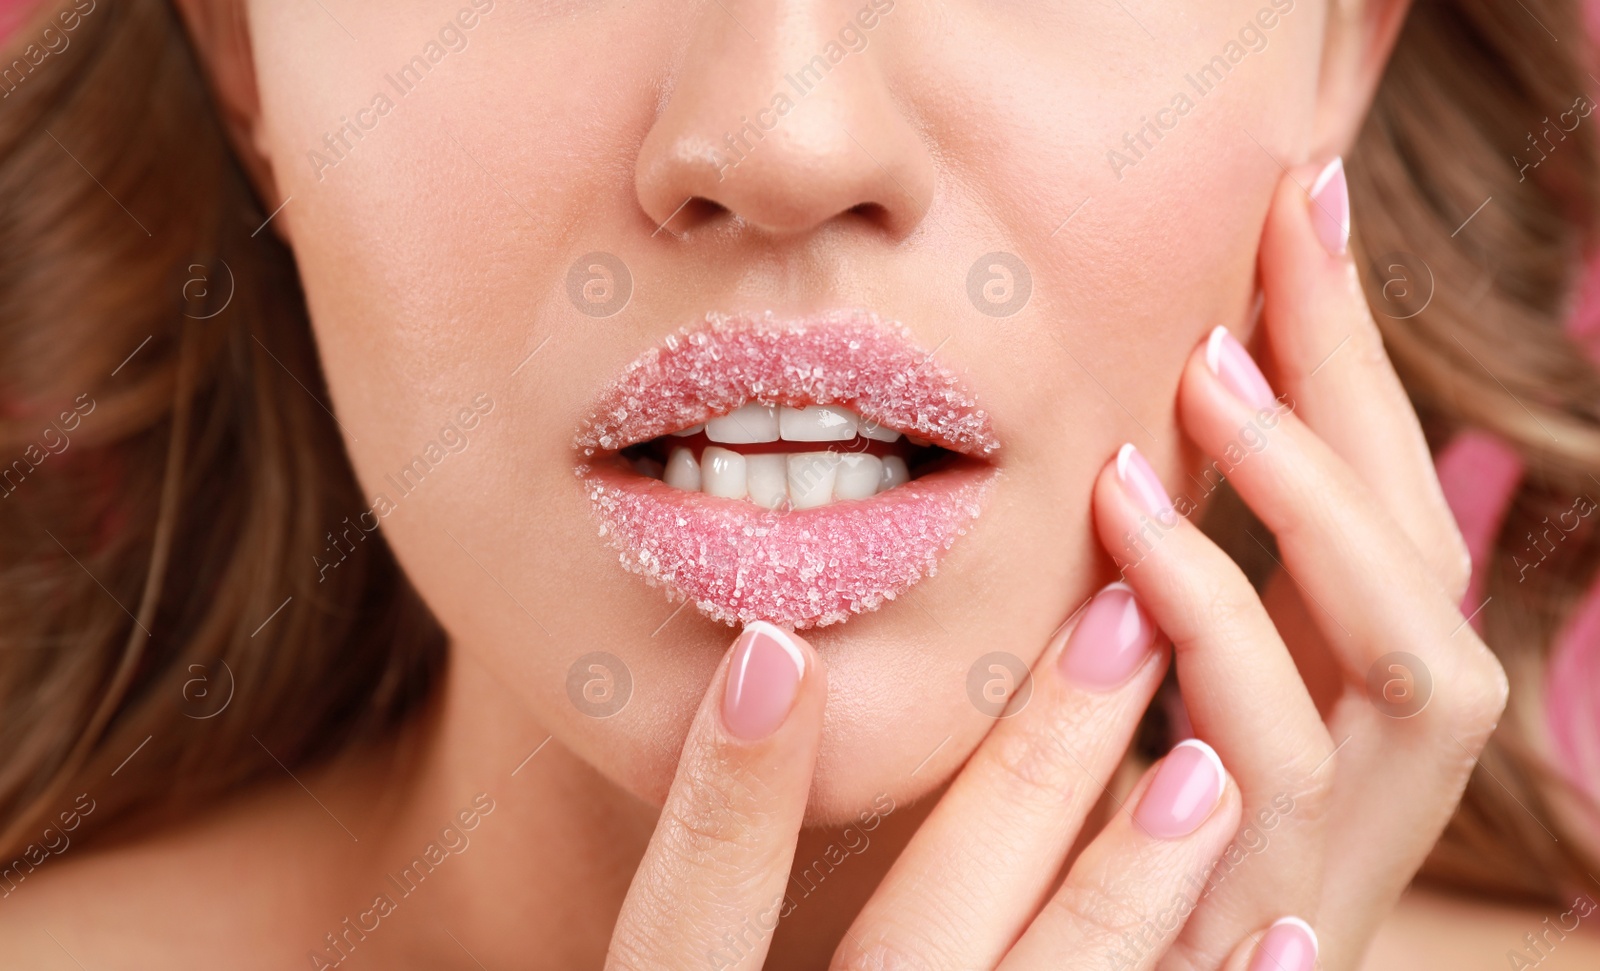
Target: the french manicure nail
pixel 1187 787
pixel 763 679
pixel 1228 360
pixel 1141 481
pixel 1113 637
pixel 1330 207
pixel 1288 945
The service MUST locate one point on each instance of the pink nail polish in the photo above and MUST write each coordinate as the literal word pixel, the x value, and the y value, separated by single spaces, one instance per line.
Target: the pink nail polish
pixel 1113 637
pixel 1330 207
pixel 1187 787
pixel 763 679
pixel 1228 360
pixel 1288 945
pixel 1141 481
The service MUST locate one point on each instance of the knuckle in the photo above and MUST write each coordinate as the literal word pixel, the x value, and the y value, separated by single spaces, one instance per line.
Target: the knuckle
pixel 709 822
pixel 1033 759
pixel 1097 912
pixel 1469 708
pixel 880 955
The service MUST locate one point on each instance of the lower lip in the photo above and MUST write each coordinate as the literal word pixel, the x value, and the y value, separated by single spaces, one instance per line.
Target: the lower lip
pixel 804 568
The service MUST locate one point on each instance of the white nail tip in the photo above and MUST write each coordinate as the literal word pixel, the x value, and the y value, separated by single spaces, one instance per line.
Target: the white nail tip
pixel 1297 922
pixel 1206 750
pixel 1326 175
pixel 1124 456
pixel 785 640
pixel 1219 333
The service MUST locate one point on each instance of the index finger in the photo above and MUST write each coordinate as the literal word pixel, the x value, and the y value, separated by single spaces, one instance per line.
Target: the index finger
pixel 720 855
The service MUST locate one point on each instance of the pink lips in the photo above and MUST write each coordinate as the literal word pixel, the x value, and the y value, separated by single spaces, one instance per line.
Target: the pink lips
pixel 805 568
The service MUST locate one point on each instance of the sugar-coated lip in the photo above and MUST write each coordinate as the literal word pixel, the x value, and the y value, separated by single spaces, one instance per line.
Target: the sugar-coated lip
pixel 738 562
pixel 850 358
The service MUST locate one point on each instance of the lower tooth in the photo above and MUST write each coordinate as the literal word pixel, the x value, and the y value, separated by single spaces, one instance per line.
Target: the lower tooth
pixel 767 479
pixel 683 472
pixel 858 476
pixel 722 473
pixel 894 473
pixel 811 476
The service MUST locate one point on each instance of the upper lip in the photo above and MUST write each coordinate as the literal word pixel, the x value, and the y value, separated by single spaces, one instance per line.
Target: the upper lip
pixel 849 358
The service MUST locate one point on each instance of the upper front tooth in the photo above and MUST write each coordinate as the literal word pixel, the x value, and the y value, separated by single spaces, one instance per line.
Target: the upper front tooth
pixel 811 476
pixel 683 472
pixel 877 432
pixel 748 424
pixel 697 429
pixel 817 423
pixel 722 473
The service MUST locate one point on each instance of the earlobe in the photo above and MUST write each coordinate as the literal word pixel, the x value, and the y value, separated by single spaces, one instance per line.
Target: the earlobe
pixel 1361 36
pixel 219 31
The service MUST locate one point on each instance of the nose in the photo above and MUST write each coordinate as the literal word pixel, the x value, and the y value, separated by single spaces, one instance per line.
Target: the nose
pixel 780 117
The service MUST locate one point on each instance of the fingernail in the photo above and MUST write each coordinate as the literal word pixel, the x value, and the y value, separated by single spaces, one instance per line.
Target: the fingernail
pixel 1140 480
pixel 1228 360
pixel 763 679
pixel 1288 945
pixel 1330 207
pixel 1113 637
pixel 1187 786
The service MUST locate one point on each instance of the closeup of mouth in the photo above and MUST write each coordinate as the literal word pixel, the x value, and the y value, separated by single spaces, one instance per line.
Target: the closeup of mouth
pixel 796 471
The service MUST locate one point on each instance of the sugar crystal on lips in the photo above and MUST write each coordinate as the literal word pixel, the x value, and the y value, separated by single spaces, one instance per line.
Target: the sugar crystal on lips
pixel 803 567
pixel 812 570
pixel 851 358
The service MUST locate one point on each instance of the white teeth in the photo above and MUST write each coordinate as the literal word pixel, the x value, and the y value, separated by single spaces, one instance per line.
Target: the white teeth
pixel 877 432
pixel 811 476
pixel 784 480
pixel 894 473
pixel 767 479
pixel 683 472
pixel 748 424
pixel 722 473
pixel 817 423
pixel 858 476
pixel 918 442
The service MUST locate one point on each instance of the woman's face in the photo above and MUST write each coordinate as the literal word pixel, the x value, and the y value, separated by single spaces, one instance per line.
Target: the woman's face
pixel 999 227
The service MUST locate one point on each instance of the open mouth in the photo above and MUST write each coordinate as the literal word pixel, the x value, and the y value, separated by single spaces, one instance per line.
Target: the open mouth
pixel 787 458
pixel 794 471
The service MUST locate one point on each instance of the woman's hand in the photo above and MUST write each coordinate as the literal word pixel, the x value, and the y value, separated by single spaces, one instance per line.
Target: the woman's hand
pixel 973 887
pixel 1327 821
pixel 1372 575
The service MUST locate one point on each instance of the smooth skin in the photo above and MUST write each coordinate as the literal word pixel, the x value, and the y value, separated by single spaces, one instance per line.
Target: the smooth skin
pixel 434 258
pixel 1370 791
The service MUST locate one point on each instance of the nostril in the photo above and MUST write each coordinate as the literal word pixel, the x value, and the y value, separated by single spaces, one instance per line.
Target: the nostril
pixel 873 212
pixel 694 211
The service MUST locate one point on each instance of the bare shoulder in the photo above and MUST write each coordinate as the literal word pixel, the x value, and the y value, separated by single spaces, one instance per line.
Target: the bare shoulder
pixel 218 890
pixel 1429 929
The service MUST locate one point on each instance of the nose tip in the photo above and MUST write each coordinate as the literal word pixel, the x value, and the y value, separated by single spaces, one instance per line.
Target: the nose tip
pixel 786 134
